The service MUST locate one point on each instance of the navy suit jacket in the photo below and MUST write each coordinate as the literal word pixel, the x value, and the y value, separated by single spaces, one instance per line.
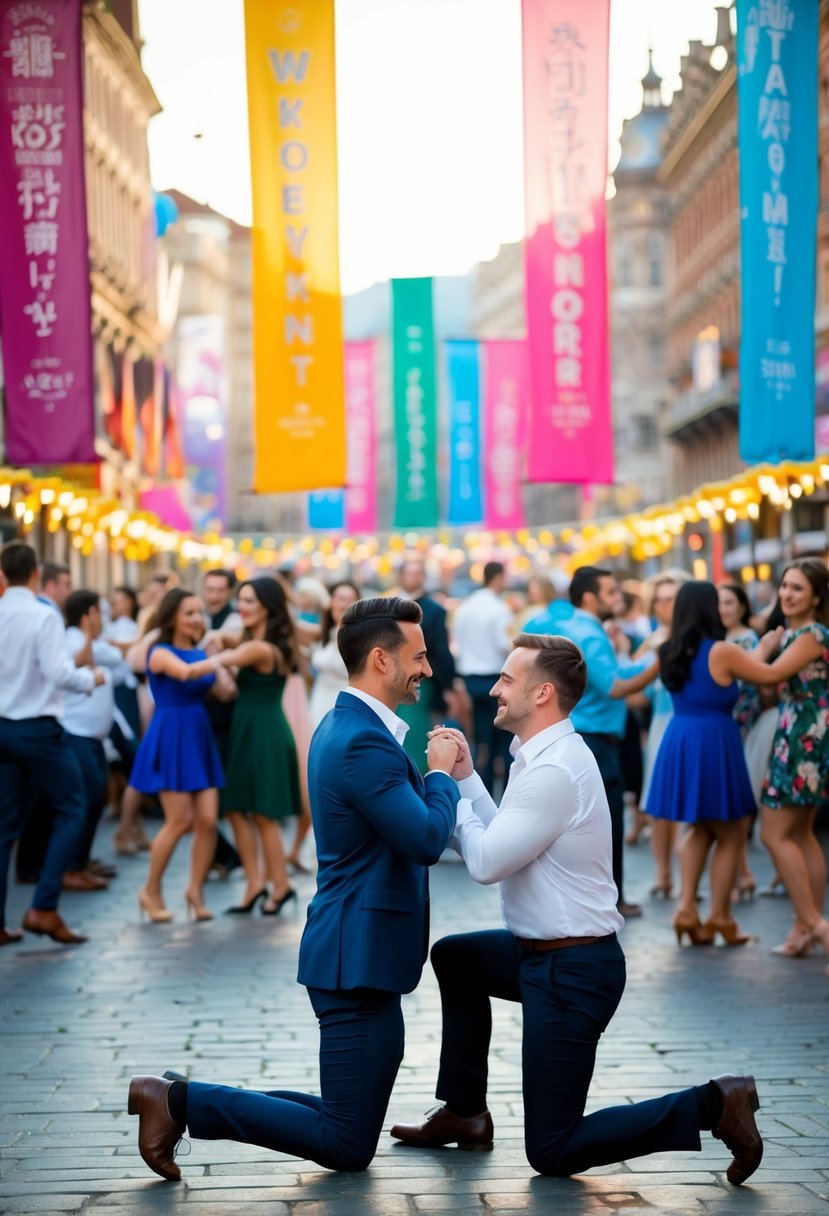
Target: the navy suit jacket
pixel 378 826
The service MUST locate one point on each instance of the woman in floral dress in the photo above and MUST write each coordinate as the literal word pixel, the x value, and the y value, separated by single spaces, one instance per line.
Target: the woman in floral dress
pixel 798 779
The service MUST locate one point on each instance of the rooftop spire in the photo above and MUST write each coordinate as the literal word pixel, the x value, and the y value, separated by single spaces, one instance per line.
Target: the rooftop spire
pixel 651 85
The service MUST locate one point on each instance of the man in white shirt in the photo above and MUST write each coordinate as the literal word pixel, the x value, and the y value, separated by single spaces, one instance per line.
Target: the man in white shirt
pixel 482 634
pixel 34 666
pixel 549 846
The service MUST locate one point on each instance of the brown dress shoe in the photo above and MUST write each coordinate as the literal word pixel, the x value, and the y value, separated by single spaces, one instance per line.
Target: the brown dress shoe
pixel 82 880
pixel 101 869
pixel 9 936
pixel 47 923
pixel 442 1127
pixel 737 1128
pixel 158 1132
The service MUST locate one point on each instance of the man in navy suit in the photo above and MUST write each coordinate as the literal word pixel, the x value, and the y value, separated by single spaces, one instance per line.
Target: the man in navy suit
pixel 378 826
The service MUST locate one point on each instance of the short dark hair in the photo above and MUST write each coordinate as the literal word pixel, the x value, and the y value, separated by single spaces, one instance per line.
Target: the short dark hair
pixel 78 604
pixel 586 582
pixel 371 623
pixel 51 571
pixel 561 662
pixel 491 572
pixel 227 575
pixel 18 561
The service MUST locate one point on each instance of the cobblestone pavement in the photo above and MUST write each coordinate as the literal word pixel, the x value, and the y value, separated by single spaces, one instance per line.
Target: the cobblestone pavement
pixel 220 1002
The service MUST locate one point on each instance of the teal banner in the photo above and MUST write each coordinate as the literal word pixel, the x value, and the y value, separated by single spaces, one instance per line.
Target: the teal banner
pixel 777 53
pixel 463 375
pixel 415 404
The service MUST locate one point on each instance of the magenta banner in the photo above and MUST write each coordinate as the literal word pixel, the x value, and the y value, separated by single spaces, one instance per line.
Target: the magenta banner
pixel 505 392
pixel 360 411
pixel 44 284
pixel 565 156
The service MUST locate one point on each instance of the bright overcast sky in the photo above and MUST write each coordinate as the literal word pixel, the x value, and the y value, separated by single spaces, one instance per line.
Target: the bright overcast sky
pixel 429 117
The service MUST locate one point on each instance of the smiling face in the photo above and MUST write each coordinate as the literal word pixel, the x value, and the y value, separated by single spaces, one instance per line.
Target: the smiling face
pixel 340 599
pixel 663 603
pixel 189 622
pixel 251 611
pixel 515 690
pixel 217 592
pixel 797 597
pixel 407 665
pixel 731 609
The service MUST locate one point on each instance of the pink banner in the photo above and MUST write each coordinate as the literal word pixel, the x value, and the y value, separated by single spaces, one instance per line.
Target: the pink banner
pixel 506 392
pixel 44 284
pixel 565 156
pixel 360 407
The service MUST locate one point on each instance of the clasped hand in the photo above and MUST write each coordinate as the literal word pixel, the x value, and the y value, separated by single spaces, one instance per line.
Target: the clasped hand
pixel 449 750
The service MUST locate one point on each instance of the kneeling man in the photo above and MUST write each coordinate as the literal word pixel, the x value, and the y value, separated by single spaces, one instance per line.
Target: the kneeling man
pixel 549 846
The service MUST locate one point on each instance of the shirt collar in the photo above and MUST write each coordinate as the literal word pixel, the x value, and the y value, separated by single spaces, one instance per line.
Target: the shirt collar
pixel 540 742
pixel 396 726
pixel 19 593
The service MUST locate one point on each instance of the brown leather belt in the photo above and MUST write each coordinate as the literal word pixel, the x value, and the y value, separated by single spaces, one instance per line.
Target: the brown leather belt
pixel 534 944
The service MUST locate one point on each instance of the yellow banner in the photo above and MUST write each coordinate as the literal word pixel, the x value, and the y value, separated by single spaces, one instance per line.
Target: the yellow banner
pixel 297 309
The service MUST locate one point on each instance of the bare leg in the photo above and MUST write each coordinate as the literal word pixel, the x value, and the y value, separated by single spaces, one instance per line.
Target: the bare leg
pixel 247 844
pixel 178 821
pixel 730 839
pixel 276 870
pixel 663 838
pixel 693 854
pixel 205 816
pixel 813 854
pixel 780 836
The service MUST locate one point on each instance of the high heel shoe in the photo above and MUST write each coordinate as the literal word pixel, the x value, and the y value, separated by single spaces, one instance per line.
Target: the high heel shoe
pixel 160 916
pixel 662 890
pixel 795 946
pixel 698 934
pixel 196 911
pixel 279 904
pixel 297 866
pixel 728 930
pixel 246 909
pixel 745 888
pixel 819 936
pixel 124 846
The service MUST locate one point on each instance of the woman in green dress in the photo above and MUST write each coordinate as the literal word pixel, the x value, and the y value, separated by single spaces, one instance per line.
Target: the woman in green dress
pixel 262 776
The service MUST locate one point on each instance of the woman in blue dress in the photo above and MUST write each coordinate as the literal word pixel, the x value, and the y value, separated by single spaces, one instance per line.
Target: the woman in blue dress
pixel 700 776
pixel 177 758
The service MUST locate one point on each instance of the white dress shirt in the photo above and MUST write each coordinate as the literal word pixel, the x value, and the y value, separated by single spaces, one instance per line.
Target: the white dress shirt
pixel 34 665
pixel 92 716
pixel 124 631
pixel 482 634
pixel 549 843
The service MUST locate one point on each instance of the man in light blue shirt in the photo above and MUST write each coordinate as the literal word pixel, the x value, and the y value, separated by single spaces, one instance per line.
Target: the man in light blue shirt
pixel 599 717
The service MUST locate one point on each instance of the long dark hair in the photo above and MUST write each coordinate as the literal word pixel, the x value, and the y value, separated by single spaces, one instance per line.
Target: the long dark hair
pixel 817 572
pixel 164 619
pixel 696 617
pixel 279 627
pixel 327 620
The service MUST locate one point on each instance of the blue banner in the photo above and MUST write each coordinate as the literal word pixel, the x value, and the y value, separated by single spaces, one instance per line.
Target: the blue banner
pixel 326 510
pixel 777 53
pixel 463 374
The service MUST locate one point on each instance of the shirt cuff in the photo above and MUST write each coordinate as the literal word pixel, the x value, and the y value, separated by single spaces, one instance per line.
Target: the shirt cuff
pixel 434 772
pixel 472 787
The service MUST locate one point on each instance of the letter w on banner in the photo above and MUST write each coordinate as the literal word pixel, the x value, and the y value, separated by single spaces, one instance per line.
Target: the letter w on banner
pixel 297 309
pixel 777 51
pixel 565 153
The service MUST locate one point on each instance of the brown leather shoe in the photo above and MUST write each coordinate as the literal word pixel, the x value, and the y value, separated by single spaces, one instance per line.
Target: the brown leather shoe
pixel 158 1132
pixel 101 869
pixel 49 924
pixel 737 1128
pixel 442 1127
pixel 82 880
pixel 9 936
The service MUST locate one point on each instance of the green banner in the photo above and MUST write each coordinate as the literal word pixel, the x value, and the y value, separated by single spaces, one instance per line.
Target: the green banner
pixel 415 404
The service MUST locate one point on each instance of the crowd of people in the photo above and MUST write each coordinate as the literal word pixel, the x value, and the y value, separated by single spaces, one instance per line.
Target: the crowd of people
pixel 709 725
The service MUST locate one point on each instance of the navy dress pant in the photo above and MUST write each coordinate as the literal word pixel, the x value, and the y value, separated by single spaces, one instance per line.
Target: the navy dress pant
pixel 568 998
pixel 34 750
pixel 361 1046
pixel 94 769
pixel 608 753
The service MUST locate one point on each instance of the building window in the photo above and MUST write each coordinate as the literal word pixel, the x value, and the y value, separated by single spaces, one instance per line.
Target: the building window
pixel 656 249
pixel 656 348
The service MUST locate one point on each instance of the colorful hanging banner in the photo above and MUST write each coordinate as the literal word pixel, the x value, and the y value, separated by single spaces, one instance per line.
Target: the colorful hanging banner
pixel 565 156
pixel 202 382
pixel 44 259
pixel 464 381
pixel 506 398
pixel 777 54
pixel 326 510
pixel 297 309
pixel 360 408
pixel 415 404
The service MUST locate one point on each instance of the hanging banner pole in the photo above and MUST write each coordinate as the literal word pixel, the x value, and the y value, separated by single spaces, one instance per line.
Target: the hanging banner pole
pixel 565 155
pixel 44 258
pixel 777 54
pixel 297 308
pixel 415 404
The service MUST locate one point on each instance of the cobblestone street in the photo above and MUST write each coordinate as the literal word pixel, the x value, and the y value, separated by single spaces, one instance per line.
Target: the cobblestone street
pixel 220 1002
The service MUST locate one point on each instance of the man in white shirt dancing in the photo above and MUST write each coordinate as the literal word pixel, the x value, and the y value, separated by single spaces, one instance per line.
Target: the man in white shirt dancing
pixel 549 846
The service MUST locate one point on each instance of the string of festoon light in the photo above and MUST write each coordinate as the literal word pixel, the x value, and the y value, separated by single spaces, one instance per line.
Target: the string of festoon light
pixel 97 523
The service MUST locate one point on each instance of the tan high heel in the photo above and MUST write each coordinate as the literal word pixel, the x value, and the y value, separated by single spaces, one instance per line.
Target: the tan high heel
pixel 795 947
pixel 662 890
pixel 745 888
pixel 160 916
pixel 698 934
pixel 728 930
pixel 196 911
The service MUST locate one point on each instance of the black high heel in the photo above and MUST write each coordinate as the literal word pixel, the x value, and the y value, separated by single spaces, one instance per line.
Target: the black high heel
pixel 279 904
pixel 246 909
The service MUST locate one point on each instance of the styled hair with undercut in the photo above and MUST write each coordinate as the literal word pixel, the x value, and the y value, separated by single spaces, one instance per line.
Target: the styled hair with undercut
pixel 369 624
pixel 559 661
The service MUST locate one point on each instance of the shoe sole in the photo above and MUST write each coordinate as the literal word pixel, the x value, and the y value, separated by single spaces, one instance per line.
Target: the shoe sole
pixel 754 1100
